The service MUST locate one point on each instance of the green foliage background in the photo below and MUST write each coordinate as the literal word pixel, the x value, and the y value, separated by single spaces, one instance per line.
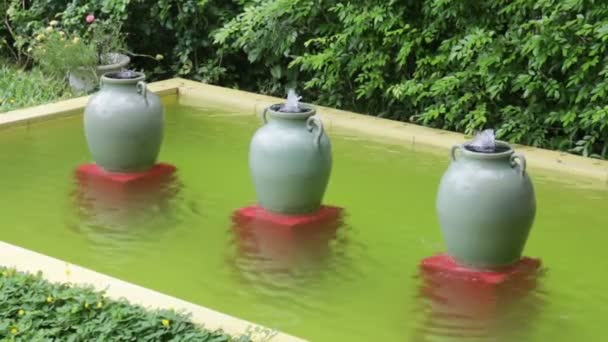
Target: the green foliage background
pixel 535 70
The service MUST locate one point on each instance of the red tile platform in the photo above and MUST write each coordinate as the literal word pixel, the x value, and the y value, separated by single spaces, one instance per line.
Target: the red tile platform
pixel 477 305
pixel 270 243
pixel 94 172
pixel 442 265
pixel 260 215
pixel 111 190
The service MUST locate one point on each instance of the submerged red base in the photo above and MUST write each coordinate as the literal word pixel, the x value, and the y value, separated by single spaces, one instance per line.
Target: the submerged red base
pixel 158 171
pixel 109 192
pixel 259 214
pixel 445 266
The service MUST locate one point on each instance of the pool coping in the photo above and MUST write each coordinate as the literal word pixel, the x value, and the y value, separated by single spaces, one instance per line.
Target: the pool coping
pixel 56 270
pixel 204 95
pixel 200 94
pixel 194 93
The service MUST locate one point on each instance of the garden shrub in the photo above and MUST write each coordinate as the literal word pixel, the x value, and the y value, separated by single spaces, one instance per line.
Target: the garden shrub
pixel 20 88
pixel 176 33
pixel 33 309
pixel 179 30
pixel 535 70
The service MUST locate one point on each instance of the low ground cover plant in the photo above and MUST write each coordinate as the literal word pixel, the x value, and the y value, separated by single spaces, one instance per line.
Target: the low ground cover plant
pixel 33 309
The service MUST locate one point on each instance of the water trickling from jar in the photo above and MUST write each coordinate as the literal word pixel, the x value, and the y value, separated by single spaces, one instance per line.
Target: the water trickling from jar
pixel 484 141
pixel 292 105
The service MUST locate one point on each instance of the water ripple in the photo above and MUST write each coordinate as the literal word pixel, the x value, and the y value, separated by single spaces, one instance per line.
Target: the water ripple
pixel 461 310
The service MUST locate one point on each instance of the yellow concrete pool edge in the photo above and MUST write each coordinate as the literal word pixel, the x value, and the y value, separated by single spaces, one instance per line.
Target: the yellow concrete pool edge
pixel 194 93
pixel 53 110
pixel 200 94
pixel 56 270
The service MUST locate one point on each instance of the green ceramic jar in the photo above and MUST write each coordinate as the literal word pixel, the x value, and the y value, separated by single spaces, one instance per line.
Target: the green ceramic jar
pixel 123 124
pixel 290 161
pixel 486 206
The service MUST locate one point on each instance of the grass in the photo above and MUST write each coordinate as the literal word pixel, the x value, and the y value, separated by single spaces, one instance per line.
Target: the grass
pixel 33 309
pixel 19 88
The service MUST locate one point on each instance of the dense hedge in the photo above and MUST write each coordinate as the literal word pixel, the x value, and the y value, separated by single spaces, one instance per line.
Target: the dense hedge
pixel 533 69
pixel 32 309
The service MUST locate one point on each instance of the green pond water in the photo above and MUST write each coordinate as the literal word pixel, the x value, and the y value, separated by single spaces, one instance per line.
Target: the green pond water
pixel 354 281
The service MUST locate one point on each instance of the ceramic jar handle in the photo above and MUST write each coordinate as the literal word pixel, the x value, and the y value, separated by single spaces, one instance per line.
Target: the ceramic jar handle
pixel 522 162
pixel 453 152
pixel 264 118
pixel 311 122
pixel 142 89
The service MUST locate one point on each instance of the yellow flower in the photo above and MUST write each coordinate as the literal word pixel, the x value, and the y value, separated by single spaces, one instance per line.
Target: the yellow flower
pixel 49 29
pixel 53 23
pixel 86 305
pixel 21 312
pixel 49 299
pixel 61 33
pixel 14 331
pixel 159 57
pixel 75 40
pixel 165 322
pixel 40 37
pixel 99 305
pixel 12 101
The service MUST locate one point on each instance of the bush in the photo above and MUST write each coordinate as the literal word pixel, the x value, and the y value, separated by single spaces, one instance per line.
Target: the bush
pixel 175 31
pixel 58 52
pixel 19 88
pixel 534 70
pixel 33 309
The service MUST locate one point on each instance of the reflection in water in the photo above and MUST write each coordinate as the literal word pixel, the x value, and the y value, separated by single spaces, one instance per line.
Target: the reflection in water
pixel 115 216
pixel 274 257
pixel 464 310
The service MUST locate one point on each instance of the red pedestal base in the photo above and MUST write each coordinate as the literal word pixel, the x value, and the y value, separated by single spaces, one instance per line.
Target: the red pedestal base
pixel 118 209
pixel 275 244
pixel 477 305
pixel 94 172
pixel 124 190
pixel 258 214
pixel 443 265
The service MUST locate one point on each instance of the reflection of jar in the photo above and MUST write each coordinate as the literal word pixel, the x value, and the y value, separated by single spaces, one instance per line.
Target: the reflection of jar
pixel 281 248
pixel 119 218
pixel 290 161
pixel 486 206
pixel 123 124
pixel 461 309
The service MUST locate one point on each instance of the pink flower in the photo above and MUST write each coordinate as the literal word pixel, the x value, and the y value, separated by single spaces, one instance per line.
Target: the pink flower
pixel 90 18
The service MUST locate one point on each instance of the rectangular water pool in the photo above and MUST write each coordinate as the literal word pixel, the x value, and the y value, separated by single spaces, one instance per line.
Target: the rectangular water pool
pixel 357 281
